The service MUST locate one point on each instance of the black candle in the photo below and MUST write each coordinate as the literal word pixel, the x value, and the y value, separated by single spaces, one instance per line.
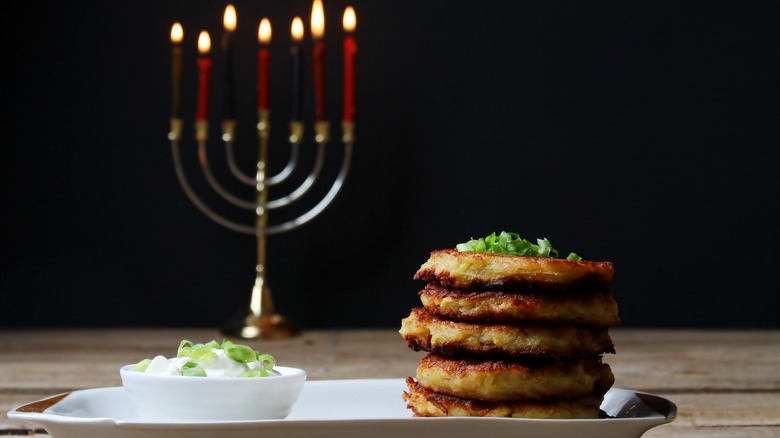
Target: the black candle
pixel 296 52
pixel 176 36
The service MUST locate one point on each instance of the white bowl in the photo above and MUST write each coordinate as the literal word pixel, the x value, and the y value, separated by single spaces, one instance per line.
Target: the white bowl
pixel 165 398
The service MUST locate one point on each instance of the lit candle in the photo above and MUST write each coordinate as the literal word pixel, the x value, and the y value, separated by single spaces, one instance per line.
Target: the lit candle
pixel 297 69
pixel 317 32
pixel 263 63
pixel 228 46
pixel 204 77
pixel 350 48
pixel 177 34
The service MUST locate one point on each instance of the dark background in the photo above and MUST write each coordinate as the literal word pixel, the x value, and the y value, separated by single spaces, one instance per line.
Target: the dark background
pixel 643 133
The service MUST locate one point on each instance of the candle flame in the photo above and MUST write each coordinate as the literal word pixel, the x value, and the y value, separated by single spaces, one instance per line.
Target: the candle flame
pixel 264 32
pixel 297 29
pixel 230 18
pixel 177 33
pixel 317 20
pixel 204 42
pixel 349 19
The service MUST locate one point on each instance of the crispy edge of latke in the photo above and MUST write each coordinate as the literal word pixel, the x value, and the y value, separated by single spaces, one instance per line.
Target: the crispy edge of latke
pixel 596 308
pixel 535 370
pixel 589 275
pixel 588 407
pixel 453 349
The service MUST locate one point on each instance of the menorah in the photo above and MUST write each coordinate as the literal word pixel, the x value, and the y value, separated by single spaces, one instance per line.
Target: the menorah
pixel 262 319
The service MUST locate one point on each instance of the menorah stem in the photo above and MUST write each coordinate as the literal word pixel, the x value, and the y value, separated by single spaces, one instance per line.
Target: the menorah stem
pixel 262 321
pixel 261 303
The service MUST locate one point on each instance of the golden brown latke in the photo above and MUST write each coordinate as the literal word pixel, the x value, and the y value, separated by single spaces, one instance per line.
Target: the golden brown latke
pixel 488 380
pixel 426 403
pixel 474 270
pixel 425 331
pixel 590 308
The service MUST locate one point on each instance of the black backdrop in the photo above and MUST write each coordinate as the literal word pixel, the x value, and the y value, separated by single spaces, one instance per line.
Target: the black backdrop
pixel 643 133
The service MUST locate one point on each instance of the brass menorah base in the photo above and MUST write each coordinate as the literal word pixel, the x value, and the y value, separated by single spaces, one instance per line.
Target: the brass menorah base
pixel 261 320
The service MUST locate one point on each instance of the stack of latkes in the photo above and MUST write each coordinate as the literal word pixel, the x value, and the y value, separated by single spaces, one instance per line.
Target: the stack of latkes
pixel 511 336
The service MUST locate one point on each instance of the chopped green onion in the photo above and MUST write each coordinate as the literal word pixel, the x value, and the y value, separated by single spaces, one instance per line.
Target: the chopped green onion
pixel 226 344
pixel 205 353
pixel 192 369
pixel 267 360
pixel 511 244
pixel 240 353
pixel 202 352
pixel 143 365
pixel 255 373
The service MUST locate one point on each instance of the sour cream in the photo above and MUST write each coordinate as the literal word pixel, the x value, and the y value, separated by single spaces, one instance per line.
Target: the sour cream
pixel 221 365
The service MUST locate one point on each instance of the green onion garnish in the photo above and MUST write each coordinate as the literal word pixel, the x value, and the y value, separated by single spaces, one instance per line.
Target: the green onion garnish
pixel 143 365
pixel 202 352
pixel 192 369
pixel 511 244
pixel 255 373
pixel 205 353
pixel 239 353
pixel 267 360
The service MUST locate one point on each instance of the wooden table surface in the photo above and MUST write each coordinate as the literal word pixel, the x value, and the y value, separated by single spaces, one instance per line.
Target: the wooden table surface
pixel 725 383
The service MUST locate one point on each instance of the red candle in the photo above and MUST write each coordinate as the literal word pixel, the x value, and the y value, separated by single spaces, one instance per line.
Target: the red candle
pixel 350 49
pixel 317 32
pixel 204 77
pixel 263 64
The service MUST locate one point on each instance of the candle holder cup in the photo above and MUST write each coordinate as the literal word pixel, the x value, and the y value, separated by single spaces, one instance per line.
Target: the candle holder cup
pixel 260 319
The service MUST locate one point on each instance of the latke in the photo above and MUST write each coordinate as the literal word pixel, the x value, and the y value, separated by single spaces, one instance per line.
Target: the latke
pixel 426 403
pixel 425 331
pixel 470 270
pixel 495 306
pixel 505 381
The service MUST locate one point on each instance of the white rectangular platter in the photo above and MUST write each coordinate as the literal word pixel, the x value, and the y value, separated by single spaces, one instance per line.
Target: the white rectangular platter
pixel 339 408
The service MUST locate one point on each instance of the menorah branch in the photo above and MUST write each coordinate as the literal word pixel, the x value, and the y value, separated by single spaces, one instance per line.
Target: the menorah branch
pixel 283 174
pixel 269 205
pixel 268 229
pixel 263 129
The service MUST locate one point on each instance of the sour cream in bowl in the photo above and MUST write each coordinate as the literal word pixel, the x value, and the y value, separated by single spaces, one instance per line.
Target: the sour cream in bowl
pixel 212 382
